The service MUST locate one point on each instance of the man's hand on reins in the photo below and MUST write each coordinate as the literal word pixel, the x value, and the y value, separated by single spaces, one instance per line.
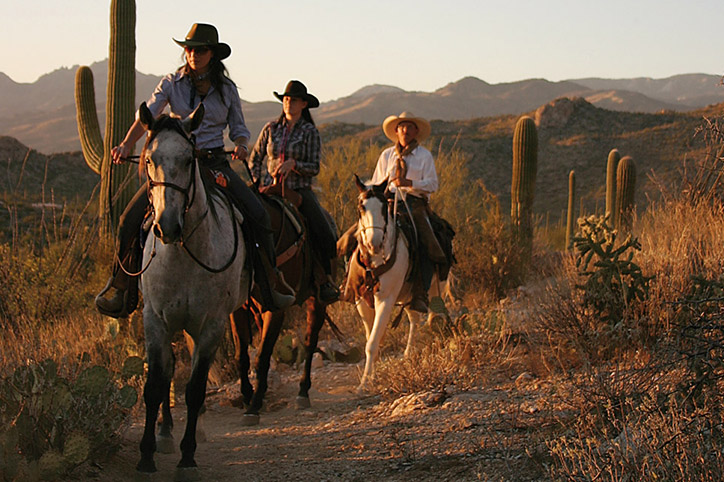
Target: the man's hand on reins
pixel 401 182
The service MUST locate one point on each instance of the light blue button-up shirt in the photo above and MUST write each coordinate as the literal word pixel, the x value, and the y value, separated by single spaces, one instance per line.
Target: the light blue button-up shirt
pixel 175 91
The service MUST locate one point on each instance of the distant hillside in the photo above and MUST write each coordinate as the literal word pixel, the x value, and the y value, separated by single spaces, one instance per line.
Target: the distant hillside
pixel 693 90
pixel 574 134
pixel 42 114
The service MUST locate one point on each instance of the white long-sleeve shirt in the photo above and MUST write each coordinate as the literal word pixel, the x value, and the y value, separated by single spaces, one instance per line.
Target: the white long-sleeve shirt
pixel 420 170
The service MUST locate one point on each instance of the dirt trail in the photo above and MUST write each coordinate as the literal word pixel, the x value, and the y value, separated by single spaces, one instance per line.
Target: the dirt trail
pixel 474 435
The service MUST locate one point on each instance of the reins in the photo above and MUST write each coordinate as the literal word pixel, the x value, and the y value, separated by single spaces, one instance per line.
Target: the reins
pixel 189 193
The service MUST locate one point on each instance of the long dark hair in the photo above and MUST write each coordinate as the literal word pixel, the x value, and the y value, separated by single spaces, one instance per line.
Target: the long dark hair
pixel 218 74
pixel 306 115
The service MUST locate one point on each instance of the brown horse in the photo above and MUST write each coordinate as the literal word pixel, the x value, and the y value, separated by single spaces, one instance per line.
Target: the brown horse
pixel 295 260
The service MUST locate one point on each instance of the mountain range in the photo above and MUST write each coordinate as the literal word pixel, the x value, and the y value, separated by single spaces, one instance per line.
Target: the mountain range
pixel 42 114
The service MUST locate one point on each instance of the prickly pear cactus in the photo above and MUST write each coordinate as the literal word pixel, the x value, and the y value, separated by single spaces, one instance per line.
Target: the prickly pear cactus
pixel 49 424
pixel 525 166
pixel 120 111
pixel 612 164
pixel 571 206
pixel 625 192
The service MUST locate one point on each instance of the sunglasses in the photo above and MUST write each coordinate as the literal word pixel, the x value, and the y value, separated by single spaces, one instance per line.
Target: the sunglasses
pixel 198 50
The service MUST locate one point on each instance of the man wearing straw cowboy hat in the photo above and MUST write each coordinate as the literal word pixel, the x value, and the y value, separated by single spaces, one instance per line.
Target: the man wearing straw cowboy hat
pixel 409 168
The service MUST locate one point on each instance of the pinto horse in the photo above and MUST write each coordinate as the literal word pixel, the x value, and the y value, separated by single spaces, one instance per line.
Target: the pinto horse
pixel 194 275
pixel 295 261
pixel 383 251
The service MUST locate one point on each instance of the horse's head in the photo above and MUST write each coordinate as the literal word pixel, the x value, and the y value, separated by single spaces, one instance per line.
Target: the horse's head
pixel 169 161
pixel 373 216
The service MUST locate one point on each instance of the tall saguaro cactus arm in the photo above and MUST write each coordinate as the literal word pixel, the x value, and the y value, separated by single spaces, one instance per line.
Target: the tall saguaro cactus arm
pixel 613 158
pixel 571 206
pixel 525 166
pixel 88 128
pixel 116 191
pixel 625 193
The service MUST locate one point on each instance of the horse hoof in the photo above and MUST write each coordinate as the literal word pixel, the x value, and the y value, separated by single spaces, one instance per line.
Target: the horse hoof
pixel 187 474
pixel 143 476
pixel 145 468
pixel 164 444
pixel 250 419
pixel 362 391
pixel 303 402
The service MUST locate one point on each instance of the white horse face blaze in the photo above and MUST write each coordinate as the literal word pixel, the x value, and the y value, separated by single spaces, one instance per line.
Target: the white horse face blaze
pixel 169 204
pixel 372 224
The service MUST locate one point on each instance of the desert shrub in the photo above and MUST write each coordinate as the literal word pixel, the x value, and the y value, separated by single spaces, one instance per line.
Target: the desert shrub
pixel 54 419
pixel 459 354
pixel 653 412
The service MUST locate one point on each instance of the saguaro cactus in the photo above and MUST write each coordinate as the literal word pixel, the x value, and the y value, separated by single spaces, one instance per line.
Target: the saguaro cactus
pixel 571 215
pixel 625 190
pixel 116 191
pixel 525 165
pixel 613 158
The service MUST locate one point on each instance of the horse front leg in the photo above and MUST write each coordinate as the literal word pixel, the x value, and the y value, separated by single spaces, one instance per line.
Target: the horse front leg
pixel 164 440
pixel 195 396
pixel 316 313
pixel 241 332
pixel 158 385
pixel 272 326
pixel 414 318
pixel 383 311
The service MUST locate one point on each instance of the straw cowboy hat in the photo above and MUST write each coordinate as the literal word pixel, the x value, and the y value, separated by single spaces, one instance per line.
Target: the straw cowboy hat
pixel 205 35
pixel 295 88
pixel 389 126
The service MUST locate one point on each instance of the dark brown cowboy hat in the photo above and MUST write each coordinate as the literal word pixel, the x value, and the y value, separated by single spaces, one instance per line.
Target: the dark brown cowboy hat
pixel 297 89
pixel 205 35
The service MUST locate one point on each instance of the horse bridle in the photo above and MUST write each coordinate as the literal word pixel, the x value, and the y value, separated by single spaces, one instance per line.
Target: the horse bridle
pixel 385 213
pixel 192 181
pixel 189 200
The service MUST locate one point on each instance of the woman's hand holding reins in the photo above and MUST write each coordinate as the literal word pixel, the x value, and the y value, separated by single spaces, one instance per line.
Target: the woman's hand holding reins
pixel 120 153
pixel 240 152
pixel 284 168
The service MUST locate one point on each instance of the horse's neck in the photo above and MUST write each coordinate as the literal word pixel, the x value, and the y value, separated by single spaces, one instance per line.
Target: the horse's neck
pixel 198 219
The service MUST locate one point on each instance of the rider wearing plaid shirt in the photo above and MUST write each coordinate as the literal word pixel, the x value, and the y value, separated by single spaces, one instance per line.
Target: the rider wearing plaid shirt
pixel 292 147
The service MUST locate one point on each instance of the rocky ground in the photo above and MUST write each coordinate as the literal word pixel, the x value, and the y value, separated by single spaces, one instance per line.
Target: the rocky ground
pixel 493 432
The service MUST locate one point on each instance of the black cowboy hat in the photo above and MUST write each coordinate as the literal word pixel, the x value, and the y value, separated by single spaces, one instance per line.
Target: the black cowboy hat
pixel 205 35
pixel 297 89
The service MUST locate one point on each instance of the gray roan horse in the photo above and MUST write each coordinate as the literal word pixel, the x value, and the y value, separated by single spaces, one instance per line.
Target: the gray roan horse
pixel 194 276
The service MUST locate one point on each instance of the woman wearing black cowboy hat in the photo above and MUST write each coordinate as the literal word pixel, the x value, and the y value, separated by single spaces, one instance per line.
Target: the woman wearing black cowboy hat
pixel 292 147
pixel 202 79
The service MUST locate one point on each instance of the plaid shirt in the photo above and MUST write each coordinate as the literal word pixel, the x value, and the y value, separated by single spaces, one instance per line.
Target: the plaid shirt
pixel 302 144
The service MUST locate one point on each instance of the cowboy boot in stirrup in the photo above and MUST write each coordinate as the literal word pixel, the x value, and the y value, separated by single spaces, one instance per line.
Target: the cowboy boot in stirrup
pixel 268 278
pixel 115 306
pixel 328 293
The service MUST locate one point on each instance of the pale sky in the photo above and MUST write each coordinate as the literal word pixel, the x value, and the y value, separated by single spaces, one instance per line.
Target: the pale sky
pixel 337 46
